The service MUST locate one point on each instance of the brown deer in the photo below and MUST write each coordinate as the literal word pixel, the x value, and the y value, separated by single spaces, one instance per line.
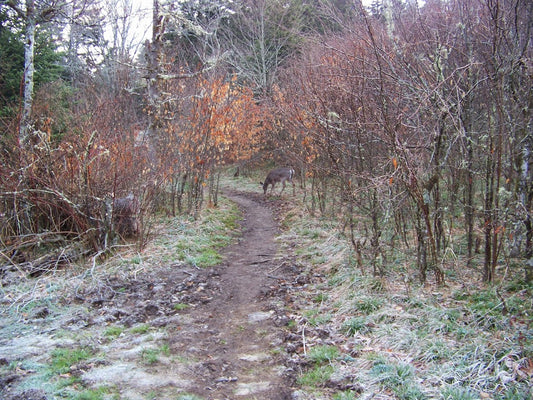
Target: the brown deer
pixel 279 175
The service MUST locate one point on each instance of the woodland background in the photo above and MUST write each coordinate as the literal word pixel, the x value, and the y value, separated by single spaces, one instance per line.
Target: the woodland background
pixel 410 123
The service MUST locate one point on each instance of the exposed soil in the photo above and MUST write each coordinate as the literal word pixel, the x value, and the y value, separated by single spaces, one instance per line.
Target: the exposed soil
pixel 228 341
pixel 232 331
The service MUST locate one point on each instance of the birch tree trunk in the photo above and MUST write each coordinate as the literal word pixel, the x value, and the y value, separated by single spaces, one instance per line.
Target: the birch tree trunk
pixel 29 54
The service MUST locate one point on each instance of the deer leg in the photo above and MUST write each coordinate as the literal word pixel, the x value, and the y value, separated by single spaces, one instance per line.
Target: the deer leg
pixel 283 188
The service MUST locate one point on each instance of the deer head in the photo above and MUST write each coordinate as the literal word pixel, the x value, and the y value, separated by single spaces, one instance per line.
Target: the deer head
pixel 279 175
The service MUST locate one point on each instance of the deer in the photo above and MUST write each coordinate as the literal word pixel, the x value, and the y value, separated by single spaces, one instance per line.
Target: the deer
pixel 278 175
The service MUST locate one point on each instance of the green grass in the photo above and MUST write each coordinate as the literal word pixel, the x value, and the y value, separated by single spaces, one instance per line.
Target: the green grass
pixel 409 341
pixel 113 332
pixel 182 239
pixel 311 233
pixel 355 325
pixel 458 393
pixel 317 376
pixel 64 359
pixel 180 306
pixel 165 349
pixel 316 318
pixel 320 298
pixel 367 304
pixel 323 354
pixel 436 350
pixel 398 378
pixel 100 393
pixel 292 324
pixel 79 392
pixel 206 257
pixel 151 356
pixel 62 381
pixel 199 242
pixel 140 329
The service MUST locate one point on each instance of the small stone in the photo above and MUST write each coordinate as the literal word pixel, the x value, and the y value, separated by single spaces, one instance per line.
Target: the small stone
pixel 246 389
pixel 259 316
pixel 254 357
pixel 151 309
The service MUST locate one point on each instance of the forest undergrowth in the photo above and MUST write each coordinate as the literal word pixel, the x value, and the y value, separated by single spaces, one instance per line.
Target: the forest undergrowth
pixel 349 335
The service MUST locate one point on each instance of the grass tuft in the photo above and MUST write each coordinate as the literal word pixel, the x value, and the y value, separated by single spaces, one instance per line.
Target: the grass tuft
pixel 317 376
pixel 100 393
pixel 180 306
pixel 113 332
pixel 323 354
pixel 64 359
pixel 355 325
pixel 150 356
pixel 140 329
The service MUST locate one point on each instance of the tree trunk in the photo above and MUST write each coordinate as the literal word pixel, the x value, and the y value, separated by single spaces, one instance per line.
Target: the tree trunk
pixel 376 235
pixel 469 200
pixel 421 251
pixel 488 221
pixel 214 185
pixel 153 59
pixel 29 53
pixel 526 191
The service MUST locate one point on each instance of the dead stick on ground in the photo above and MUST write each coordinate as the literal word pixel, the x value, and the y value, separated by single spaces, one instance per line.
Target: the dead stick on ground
pixel 276 268
pixel 260 262
pixel 303 340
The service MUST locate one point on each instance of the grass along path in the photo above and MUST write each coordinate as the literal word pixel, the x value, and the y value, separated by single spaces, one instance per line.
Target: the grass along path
pixel 391 338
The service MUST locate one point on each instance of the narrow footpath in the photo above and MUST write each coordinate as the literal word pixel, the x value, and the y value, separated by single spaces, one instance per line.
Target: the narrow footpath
pixel 236 337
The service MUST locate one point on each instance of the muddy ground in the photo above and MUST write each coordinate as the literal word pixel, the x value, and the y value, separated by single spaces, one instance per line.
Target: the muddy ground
pixel 230 338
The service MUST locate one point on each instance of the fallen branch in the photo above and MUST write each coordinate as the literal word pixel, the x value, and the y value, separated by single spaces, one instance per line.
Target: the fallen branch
pixel 276 268
pixel 304 343
pixel 51 262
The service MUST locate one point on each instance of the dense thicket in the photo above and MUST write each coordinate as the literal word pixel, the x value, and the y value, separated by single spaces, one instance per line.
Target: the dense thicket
pixel 410 123
pixel 416 126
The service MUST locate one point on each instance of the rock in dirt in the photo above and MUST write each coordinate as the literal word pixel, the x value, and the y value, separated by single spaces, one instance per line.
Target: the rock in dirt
pixel 247 389
pixel 259 316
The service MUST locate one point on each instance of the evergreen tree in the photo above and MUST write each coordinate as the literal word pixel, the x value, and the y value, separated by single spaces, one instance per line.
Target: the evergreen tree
pixel 48 61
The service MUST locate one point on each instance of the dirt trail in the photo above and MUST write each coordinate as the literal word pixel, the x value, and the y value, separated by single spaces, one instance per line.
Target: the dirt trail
pixel 234 337
pixel 228 342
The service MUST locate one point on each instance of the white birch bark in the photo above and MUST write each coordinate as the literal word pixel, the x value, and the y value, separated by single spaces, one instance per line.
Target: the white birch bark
pixel 29 55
